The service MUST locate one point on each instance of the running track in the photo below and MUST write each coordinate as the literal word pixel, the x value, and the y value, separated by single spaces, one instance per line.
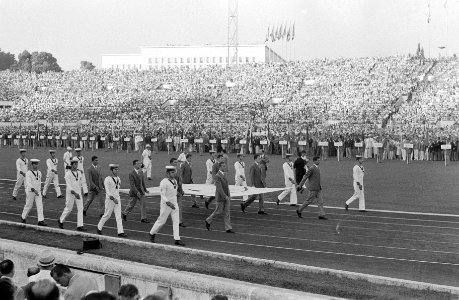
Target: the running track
pixel 412 246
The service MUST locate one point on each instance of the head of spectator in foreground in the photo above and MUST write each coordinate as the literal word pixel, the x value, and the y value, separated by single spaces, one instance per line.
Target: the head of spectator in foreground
pixel 7 268
pixel 62 274
pixel 7 289
pixel 46 260
pixel 158 295
pixel 43 290
pixel 128 292
pixel 219 297
pixel 99 296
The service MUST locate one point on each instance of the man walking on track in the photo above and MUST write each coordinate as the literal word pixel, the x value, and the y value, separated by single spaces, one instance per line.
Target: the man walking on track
pixel 51 175
pixel 146 160
pixel 290 183
pixel 96 185
pixel 33 193
pixel 359 193
pixel 223 199
pixel 239 176
pixel 22 165
pixel 256 181
pixel 315 189
pixel 137 193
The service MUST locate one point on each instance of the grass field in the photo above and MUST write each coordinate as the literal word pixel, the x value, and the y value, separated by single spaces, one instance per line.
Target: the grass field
pixel 421 246
pixel 427 187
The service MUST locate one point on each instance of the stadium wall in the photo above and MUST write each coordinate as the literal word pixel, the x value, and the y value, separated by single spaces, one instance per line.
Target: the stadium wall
pixel 110 274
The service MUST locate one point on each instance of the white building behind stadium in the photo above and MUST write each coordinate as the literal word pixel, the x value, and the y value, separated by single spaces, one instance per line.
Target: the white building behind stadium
pixel 188 57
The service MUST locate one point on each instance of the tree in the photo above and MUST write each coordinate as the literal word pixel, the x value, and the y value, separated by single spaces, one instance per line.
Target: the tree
pixel 87 65
pixel 44 62
pixel 24 62
pixel 6 60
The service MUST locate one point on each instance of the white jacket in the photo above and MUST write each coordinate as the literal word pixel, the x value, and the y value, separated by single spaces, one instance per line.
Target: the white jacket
pixel 112 187
pixel 73 182
pixel 358 173
pixel 22 165
pixel 288 173
pixel 51 164
pixel 33 180
pixel 240 170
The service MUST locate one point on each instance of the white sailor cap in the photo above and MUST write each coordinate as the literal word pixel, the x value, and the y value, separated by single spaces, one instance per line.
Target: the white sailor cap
pixel 69 148
pixel 74 160
pixel 212 151
pixel 170 168
pixel 288 154
pixel 148 145
pixel 52 151
pixel 34 161
pixel 22 150
pixel 358 157
pixel 77 149
pixel 113 166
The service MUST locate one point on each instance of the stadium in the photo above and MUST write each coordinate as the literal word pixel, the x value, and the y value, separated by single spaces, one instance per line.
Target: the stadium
pixel 233 140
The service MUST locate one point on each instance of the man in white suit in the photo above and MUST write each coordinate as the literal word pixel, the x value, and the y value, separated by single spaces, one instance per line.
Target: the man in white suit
pixel 33 193
pixel 290 183
pixel 51 175
pixel 239 176
pixel 146 160
pixel 22 166
pixel 359 193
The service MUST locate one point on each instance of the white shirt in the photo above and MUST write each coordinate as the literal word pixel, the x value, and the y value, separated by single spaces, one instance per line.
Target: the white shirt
pixel 112 187
pixel 239 166
pixel 51 164
pixel 67 158
pixel 22 165
pixel 33 180
pixel 146 154
pixel 80 163
pixel 168 190
pixel 358 173
pixel 288 172
pixel 73 181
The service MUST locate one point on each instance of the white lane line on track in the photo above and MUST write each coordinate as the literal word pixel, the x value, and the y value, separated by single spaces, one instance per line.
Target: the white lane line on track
pixel 299 250
pixel 298 239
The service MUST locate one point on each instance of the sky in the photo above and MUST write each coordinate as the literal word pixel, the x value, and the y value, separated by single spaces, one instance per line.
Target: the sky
pixel 76 30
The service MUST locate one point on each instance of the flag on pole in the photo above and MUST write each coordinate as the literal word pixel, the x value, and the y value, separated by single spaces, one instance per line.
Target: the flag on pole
pixel 293 31
pixel 289 33
pixel 428 12
pixel 273 34
pixel 284 34
pixel 267 35
pixel 279 32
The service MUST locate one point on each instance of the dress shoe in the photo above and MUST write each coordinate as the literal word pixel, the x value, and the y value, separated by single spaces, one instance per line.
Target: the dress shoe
pixel 124 217
pixel 44 196
pixel 182 225
pixel 23 221
pixel 346 207
pixel 363 210
pixel 59 197
pixel 262 213
pixel 81 228
pixel 99 232
pixel 152 238
pixel 230 231
pixel 85 194
pixel 194 206
pixel 42 223
pixel 149 178
pixel 101 215
pixel 277 201
pixel 207 225
pixel 14 198
pixel 206 204
pixel 179 243
pixel 84 213
pixel 294 205
pixel 123 235
pixel 144 221
pixel 243 207
pixel 323 218
pixel 298 213
pixel 60 224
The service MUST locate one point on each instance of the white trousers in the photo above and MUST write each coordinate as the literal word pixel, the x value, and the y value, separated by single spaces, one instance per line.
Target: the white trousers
pixel 30 199
pixel 209 179
pixel 19 182
pixel 69 201
pixel 240 182
pixel 291 191
pixel 83 182
pixel 54 178
pixel 111 207
pixel 164 213
pixel 358 194
pixel 147 168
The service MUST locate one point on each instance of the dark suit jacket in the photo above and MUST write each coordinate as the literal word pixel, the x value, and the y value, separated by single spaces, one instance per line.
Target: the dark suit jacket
pixel 137 183
pixel 313 174
pixel 187 173
pixel 221 187
pixel 255 176
pixel 95 179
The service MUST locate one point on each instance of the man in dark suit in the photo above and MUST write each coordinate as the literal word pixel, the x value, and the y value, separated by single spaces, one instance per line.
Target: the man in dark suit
pixel 314 187
pixel 187 176
pixel 223 199
pixel 256 181
pixel 96 185
pixel 137 192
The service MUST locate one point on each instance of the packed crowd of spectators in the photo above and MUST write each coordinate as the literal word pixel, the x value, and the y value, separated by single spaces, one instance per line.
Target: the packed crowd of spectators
pixel 49 280
pixel 317 100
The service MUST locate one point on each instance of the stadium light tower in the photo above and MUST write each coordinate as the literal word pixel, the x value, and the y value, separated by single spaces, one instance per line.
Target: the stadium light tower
pixel 232 32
